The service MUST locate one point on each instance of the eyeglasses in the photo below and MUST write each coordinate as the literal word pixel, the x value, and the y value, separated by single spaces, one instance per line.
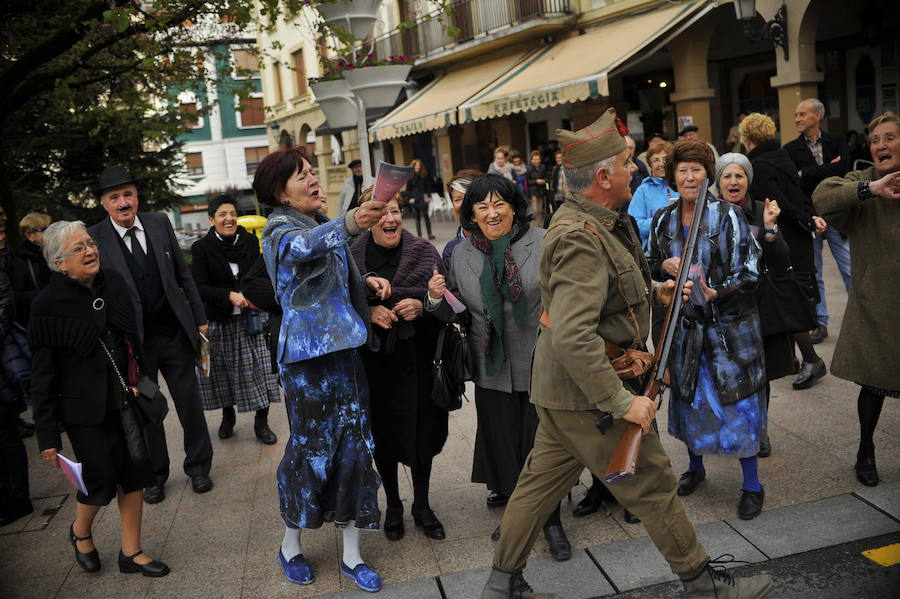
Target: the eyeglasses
pixel 81 248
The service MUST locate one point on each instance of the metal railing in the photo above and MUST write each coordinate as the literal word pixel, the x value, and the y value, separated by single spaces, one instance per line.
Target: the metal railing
pixel 470 19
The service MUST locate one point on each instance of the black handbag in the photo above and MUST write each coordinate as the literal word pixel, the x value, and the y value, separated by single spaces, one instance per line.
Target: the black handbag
pixel 448 366
pixel 253 322
pixel 149 404
pixel 785 304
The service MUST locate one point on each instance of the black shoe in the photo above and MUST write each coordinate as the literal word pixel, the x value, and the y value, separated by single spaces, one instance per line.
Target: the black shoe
pixel 90 561
pixel 265 434
pixel 810 372
pixel 154 494
pixel 24 429
pixel 865 471
pixel 430 525
pixel 560 548
pixel 765 447
pixel 630 518
pixel 15 508
pixel 818 334
pixel 495 499
pixel 393 524
pixel 595 496
pixel 431 237
pixel 750 505
pixel 688 482
pixel 201 483
pixel 495 536
pixel 153 569
pixel 226 429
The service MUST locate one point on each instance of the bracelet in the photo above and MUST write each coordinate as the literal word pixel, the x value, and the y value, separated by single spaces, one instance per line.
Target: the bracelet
pixel 862 190
pixel 772 231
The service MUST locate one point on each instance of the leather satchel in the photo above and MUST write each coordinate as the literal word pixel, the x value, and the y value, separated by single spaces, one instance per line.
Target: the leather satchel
pixel 448 366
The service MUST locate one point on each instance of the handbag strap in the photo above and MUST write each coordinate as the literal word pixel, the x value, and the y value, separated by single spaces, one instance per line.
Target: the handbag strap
pixel 116 368
pixel 439 346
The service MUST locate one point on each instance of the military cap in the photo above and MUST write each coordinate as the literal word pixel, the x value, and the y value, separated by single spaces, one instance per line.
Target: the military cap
pixel 599 140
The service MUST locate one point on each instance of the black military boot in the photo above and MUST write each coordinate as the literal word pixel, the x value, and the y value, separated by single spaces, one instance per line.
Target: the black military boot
pixel 509 584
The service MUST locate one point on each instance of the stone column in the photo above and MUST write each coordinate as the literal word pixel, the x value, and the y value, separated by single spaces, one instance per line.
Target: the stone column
pixel 690 63
pixel 445 166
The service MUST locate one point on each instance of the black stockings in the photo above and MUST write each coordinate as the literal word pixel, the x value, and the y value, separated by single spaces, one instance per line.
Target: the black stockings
pixel 868 407
pixel 421 478
pixel 806 347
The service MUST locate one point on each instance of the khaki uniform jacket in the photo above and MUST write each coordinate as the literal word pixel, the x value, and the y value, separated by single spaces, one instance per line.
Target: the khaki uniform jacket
pixel 588 305
pixel 871 323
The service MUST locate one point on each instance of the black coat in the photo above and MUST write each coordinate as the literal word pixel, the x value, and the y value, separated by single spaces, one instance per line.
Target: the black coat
pixel 213 275
pixel 775 177
pixel 29 274
pixel 811 174
pixel 417 190
pixel 72 380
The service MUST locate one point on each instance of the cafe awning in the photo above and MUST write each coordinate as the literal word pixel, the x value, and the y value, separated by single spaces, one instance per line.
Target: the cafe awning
pixel 578 67
pixel 435 105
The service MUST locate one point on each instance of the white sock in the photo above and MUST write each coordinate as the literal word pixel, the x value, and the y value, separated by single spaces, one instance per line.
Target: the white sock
pixel 290 545
pixel 352 558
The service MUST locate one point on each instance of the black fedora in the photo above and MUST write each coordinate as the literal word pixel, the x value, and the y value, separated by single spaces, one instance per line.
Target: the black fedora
pixel 113 176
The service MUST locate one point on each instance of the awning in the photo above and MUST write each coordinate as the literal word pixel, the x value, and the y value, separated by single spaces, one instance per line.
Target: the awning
pixel 435 105
pixel 577 68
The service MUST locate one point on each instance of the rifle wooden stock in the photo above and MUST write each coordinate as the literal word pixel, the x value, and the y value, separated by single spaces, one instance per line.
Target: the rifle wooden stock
pixel 623 463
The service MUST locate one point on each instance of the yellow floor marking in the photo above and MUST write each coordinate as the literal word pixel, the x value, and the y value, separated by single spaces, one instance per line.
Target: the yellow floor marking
pixel 885 556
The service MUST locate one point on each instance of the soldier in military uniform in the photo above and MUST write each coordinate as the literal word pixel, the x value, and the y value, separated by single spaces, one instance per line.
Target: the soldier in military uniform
pixel 596 293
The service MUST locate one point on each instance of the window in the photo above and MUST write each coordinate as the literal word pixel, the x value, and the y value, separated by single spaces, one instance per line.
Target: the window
pixel 194 164
pixel 245 60
pixel 253 156
pixel 301 71
pixel 189 112
pixel 276 75
pixel 252 113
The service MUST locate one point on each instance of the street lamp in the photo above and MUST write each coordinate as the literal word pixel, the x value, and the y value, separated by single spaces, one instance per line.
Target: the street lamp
pixel 775 30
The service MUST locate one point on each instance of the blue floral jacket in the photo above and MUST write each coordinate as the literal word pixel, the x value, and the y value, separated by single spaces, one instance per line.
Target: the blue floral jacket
pixel 727 329
pixel 319 288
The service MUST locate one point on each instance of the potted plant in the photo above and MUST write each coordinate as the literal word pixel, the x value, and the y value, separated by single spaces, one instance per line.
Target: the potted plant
pixel 377 82
pixel 332 93
pixel 356 16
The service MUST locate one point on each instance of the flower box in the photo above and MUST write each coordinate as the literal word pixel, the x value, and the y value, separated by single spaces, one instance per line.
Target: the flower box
pixel 378 86
pixel 361 15
pixel 335 101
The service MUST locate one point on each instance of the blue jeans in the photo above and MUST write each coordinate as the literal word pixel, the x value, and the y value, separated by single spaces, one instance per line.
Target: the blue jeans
pixel 840 250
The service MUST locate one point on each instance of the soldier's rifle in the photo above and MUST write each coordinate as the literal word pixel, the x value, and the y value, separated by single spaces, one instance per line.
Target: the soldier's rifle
pixel 623 463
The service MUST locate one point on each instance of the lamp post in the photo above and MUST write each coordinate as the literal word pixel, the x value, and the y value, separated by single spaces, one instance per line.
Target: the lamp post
pixel 775 30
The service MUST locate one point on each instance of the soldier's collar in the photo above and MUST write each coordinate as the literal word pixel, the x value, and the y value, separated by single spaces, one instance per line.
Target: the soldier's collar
pixel 606 217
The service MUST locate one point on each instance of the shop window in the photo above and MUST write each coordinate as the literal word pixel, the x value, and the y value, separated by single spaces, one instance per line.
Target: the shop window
pixel 252 113
pixel 253 156
pixel 194 164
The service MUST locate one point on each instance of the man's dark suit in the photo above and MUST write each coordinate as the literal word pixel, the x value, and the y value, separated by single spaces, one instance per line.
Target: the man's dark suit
pixel 171 348
pixel 811 174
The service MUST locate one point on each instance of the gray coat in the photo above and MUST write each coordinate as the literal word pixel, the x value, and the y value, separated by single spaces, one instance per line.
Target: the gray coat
pixel 871 323
pixel 177 281
pixel 465 269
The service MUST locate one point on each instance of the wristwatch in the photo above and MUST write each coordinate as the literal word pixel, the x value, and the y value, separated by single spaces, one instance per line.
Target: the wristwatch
pixel 862 190
pixel 773 230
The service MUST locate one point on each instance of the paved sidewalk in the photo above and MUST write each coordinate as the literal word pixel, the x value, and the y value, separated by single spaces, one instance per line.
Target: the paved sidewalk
pixel 224 543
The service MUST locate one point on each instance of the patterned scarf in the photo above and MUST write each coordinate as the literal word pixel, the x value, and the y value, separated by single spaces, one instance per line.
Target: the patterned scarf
pixel 499 278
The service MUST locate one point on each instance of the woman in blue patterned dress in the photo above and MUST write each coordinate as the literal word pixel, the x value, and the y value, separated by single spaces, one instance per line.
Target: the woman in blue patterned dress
pixel 327 472
pixel 718 367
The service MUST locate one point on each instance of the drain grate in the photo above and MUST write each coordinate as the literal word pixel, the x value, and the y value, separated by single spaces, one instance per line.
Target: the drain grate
pixel 45 509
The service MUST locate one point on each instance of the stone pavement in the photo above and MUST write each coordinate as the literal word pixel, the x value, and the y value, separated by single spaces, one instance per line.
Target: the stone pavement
pixel 224 544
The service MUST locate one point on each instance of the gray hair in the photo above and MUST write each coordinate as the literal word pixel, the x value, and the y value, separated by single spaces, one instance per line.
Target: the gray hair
pixel 816 105
pixel 580 178
pixel 734 158
pixel 55 237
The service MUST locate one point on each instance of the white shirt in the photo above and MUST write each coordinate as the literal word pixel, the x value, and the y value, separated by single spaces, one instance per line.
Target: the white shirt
pixel 139 233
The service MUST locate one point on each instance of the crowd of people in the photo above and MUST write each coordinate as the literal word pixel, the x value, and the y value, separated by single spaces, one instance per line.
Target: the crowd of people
pixel 561 265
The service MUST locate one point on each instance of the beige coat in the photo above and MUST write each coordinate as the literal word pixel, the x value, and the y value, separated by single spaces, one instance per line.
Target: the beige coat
pixel 871 326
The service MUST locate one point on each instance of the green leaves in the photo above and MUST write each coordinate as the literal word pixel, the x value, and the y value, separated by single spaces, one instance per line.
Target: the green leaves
pixel 118 18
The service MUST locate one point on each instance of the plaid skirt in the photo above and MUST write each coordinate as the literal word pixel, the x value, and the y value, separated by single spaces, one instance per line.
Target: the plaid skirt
pixel 240 370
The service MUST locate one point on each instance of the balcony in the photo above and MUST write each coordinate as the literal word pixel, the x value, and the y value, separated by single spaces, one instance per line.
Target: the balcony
pixel 480 24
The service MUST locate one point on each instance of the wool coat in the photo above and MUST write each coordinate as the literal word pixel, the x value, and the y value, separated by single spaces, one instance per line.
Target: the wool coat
pixel 213 275
pixel 29 274
pixel 871 325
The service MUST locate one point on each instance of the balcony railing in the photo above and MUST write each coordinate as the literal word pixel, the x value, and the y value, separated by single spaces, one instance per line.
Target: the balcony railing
pixel 470 19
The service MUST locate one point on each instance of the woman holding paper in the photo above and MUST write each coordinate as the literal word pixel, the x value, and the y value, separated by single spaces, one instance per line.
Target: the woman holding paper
pixel 494 273
pixel 718 368
pixel 75 382
pixel 406 424
pixel 326 474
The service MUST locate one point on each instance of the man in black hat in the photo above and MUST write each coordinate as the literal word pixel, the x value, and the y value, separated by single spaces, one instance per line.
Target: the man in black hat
pixel 351 188
pixel 170 317
pixel 691 132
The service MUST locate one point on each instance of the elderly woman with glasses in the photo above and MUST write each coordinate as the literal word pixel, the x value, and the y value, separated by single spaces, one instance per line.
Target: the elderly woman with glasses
pixel 82 335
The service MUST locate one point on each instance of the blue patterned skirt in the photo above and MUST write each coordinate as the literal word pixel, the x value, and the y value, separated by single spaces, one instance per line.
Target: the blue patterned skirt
pixel 327 473
pixel 708 427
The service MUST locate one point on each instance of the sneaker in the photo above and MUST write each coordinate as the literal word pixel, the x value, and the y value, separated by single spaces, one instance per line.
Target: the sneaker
pixel 715 582
pixel 810 372
pixel 364 577
pixel 818 334
pixel 296 569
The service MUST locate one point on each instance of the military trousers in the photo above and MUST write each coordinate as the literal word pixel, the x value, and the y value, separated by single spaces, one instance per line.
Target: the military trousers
pixel 566 442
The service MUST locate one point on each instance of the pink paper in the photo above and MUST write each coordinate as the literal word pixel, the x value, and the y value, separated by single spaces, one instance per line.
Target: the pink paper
pixel 456 305
pixel 389 179
pixel 72 470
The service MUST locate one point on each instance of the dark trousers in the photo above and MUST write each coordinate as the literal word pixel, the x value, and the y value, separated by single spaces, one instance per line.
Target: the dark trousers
pixel 172 355
pixel 420 212
pixel 13 459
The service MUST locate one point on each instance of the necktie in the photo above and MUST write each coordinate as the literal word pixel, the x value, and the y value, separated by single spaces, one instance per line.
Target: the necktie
pixel 136 250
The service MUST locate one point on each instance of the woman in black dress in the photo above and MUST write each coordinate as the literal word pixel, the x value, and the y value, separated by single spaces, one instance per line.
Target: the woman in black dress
pixel 83 313
pixel 406 424
pixel 418 195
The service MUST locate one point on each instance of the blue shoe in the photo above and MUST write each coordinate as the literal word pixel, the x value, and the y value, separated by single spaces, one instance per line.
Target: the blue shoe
pixel 296 570
pixel 364 577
